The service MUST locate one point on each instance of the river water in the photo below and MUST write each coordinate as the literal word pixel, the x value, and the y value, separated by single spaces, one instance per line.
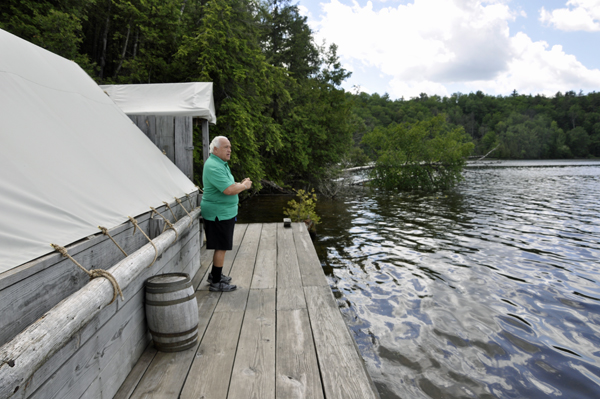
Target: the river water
pixel 491 290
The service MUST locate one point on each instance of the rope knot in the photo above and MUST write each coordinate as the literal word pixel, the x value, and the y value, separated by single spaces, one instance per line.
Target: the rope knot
pixel 167 223
pixel 94 273
pixel 61 250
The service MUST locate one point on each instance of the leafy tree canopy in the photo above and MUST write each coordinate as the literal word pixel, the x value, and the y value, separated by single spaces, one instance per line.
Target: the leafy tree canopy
pixel 427 155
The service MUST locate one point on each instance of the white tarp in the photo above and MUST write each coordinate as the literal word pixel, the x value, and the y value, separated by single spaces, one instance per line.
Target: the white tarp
pixel 70 159
pixel 173 99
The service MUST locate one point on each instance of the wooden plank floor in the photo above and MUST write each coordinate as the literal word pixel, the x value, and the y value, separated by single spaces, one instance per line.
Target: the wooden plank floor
pixel 279 335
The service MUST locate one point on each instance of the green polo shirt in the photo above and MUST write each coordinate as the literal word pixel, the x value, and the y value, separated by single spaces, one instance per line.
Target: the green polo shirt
pixel 216 177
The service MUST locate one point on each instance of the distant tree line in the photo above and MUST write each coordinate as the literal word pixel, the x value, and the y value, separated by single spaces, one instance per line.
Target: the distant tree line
pixel 278 94
pixel 516 126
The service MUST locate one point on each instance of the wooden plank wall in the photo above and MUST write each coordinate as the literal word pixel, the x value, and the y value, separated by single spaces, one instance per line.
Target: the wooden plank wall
pixel 171 134
pixel 96 360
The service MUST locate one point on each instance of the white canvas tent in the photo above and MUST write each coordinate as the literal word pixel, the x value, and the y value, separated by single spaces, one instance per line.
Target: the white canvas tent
pixel 70 159
pixel 173 99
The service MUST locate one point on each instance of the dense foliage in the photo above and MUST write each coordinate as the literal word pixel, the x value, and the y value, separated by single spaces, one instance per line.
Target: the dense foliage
pixel 515 127
pixel 425 155
pixel 277 92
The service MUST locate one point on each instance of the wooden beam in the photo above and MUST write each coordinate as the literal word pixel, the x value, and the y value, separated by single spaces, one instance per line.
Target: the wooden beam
pixel 211 369
pixel 254 367
pixel 343 372
pixel 165 135
pixel 265 272
pixel 297 371
pixel 28 351
pixel 308 260
pixel 205 139
pixel 184 146
pixel 290 295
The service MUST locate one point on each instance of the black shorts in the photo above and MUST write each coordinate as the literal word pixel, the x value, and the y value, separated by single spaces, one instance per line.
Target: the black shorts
pixel 219 234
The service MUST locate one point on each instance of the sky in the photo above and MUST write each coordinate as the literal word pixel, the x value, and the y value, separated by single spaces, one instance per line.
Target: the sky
pixel 441 47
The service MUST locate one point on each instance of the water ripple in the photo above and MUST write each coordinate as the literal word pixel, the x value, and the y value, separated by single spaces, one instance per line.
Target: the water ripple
pixel 487 291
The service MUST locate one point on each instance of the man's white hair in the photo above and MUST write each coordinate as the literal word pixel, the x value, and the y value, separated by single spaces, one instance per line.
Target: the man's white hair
pixel 216 142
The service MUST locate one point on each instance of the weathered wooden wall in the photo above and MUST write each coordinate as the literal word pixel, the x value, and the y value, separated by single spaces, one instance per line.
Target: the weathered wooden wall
pixel 98 358
pixel 173 135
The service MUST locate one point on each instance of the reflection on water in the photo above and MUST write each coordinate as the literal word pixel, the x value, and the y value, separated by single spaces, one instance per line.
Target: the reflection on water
pixel 490 290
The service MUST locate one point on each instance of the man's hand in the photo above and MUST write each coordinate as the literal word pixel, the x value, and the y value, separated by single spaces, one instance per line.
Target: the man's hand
pixel 237 188
pixel 247 183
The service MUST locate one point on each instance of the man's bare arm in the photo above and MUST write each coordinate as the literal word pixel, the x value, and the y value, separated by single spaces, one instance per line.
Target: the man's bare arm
pixel 237 188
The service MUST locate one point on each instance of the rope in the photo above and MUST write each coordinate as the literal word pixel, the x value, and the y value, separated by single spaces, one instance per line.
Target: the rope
pixel 181 203
pixel 105 231
pixel 94 273
pixel 199 189
pixel 189 199
pixel 135 223
pixel 172 213
pixel 167 223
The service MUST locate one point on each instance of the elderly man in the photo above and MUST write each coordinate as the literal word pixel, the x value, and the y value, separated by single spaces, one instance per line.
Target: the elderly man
pixel 219 209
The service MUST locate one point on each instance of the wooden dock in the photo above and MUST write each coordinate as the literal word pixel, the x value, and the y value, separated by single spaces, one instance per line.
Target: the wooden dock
pixel 279 335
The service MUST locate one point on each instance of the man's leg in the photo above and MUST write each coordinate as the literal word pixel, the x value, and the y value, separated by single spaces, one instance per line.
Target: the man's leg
pixel 219 257
pixel 223 239
pixel 218 261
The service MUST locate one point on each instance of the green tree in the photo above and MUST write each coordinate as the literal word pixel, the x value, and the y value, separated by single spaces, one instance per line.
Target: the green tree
pixel 316 125
pixel 428 155
pixel 595 140
pixel 55 26
pixel 578 141
pixel 225 50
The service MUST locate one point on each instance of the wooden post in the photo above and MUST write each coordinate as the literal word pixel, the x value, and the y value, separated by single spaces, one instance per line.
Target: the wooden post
pixel 184 146
pixel 165 135
pixel 156 226
pixel 205 142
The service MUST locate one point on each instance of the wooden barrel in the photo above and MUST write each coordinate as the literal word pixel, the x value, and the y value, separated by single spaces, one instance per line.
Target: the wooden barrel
pixel 172 312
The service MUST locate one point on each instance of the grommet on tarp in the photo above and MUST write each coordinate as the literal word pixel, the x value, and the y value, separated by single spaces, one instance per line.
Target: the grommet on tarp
pixel 135 224
pixel 105 232
pixel 94 273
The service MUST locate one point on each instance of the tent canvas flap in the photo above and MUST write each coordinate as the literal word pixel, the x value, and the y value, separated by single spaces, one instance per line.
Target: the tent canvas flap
pixel 71 159
pixel 175 99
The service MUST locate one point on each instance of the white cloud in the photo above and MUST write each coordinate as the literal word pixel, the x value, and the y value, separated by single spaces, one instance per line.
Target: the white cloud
pixel 303 10
pixel 534 68
pixel 430 45
pixel 413 88
pixel 580 15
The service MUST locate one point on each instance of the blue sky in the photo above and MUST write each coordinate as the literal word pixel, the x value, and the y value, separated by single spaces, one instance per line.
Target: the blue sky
pixel 408 47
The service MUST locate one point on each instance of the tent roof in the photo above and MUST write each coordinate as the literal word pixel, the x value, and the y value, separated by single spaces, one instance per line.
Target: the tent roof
pixel 71 160
pixel 174 99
